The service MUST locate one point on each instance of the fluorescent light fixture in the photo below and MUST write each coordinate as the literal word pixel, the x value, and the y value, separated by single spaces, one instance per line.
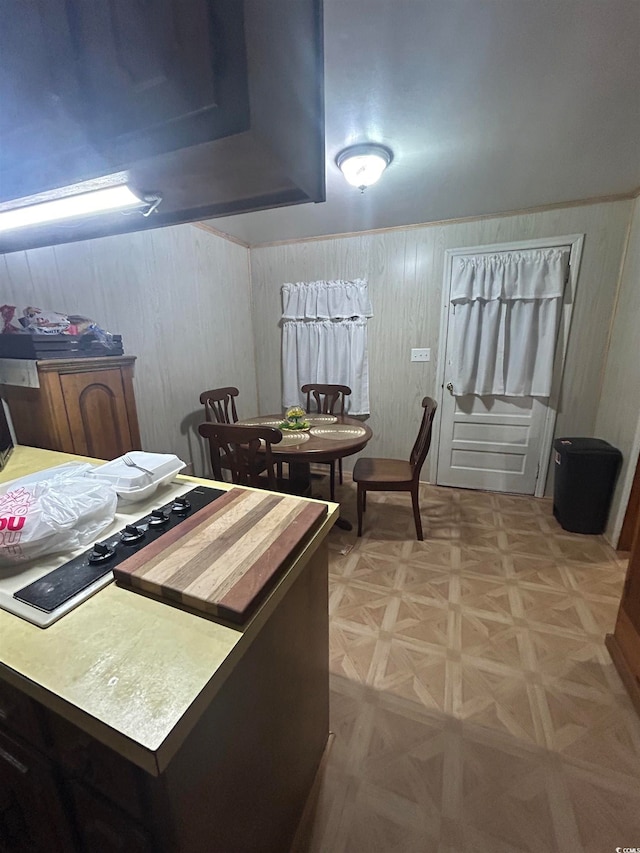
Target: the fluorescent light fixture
pixel 102 200
pixel 363 165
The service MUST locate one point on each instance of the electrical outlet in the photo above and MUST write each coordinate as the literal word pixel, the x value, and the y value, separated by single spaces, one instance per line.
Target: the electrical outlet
pixel 420 355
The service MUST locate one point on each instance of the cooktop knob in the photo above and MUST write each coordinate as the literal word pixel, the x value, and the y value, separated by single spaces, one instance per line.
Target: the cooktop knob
pixel 158 518
pixel 101 553
pixel 180 506
pixel 131 535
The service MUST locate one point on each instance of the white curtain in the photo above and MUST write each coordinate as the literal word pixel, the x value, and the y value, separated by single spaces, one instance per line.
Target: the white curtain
pixel 324 339
pixel 506 310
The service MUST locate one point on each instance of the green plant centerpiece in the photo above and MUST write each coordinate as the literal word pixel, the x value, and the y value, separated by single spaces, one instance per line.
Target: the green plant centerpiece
pixel 295 418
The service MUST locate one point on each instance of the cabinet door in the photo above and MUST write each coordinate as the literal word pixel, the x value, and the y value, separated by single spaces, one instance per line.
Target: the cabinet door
pixel 31 814
pixel 631 595
pixel 40 120
pixel 143 64
pixel 103 84
pixel 104 829
pixel 97 413
pixel 19 714
pixel 93 765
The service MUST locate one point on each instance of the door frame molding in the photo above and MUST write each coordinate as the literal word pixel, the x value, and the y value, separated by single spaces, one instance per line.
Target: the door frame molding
pixel 576 244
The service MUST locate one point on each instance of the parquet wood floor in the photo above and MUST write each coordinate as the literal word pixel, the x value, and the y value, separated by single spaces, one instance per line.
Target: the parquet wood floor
pixel 474 705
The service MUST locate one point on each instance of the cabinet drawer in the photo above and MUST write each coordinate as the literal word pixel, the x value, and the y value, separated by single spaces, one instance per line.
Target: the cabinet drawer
pixel 19 715
pixel 97 766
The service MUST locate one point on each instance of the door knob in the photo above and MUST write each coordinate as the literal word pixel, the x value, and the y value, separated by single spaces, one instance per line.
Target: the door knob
pixel 450 386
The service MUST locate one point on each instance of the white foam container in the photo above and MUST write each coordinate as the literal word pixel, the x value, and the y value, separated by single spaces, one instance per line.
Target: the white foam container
pixel 132 484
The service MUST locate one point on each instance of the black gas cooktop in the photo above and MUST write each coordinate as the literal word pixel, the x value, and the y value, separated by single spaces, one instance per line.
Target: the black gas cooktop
pixel 61 584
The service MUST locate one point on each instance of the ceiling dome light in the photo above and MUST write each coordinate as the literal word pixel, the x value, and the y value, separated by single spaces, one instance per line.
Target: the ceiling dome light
pixel 363 165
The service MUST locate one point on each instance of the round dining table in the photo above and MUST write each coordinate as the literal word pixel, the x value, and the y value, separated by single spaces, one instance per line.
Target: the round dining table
pixel 328 438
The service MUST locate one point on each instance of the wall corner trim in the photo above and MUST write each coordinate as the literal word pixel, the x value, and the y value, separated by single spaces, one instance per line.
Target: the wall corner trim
pixel 229 237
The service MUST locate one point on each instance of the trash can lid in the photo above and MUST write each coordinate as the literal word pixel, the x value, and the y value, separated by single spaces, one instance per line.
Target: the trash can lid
pixel 585 445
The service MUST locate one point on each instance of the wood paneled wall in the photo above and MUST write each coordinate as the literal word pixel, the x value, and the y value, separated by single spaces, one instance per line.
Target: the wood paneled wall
pixel 181 299
pixel 618 418
pixel 404 269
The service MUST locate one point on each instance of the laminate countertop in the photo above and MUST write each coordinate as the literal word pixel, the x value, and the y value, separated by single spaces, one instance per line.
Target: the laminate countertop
pixel 132 672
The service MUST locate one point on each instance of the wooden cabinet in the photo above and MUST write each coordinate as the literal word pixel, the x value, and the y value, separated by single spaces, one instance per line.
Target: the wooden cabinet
pixel 103 828
pixel 92 764
pixel 19 715
pixel 624 643
pixel 105 83
pixel 68 794
pixel 214 105
pixel 41 92
pixel 32 813
pixel 145 64
pixel 82 405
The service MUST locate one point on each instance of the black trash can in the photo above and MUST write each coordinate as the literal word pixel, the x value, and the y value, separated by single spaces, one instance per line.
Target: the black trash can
pixel 585 475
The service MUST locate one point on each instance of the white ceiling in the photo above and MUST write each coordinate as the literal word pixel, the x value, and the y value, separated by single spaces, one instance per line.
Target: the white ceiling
pixel 488 106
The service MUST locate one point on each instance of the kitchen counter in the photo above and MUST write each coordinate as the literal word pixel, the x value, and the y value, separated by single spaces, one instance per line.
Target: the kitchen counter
pixel 133 673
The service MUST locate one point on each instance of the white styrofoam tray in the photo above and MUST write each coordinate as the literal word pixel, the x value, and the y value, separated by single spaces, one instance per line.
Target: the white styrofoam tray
pixel 131 483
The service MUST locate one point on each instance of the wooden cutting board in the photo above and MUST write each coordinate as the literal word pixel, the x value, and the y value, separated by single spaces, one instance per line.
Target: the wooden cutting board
pixel 222 560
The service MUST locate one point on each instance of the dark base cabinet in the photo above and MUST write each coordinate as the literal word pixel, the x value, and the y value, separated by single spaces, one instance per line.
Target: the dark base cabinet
pixel 238 783
pixel 102 828
pixel 62 791
pixel 32 813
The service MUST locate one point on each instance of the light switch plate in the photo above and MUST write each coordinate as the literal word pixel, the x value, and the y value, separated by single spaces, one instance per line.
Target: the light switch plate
pixel 420 355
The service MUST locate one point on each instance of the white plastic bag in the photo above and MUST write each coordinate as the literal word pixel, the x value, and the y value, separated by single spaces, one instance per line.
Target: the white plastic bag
pixel 46 514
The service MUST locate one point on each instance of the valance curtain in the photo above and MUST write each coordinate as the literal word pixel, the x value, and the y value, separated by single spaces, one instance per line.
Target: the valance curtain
pixel 324 339
pixel 506 310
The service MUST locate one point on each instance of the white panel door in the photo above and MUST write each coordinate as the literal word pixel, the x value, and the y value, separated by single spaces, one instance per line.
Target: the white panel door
pixel 500 444
pixel 491 443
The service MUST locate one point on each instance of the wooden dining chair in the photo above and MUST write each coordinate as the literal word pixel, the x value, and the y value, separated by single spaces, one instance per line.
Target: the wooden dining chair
pixel 220 408
pixel 220 405
pixel 327 400
pixel 245 451
pixel 237 449
pixel 396 475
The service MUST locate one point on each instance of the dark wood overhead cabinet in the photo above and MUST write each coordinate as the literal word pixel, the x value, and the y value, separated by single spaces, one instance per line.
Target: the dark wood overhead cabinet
pixel 216 105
